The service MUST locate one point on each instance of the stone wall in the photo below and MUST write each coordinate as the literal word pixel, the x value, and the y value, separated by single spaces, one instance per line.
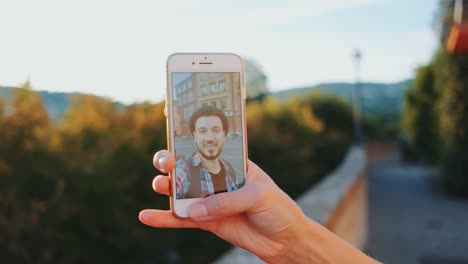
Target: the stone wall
pixel 339 202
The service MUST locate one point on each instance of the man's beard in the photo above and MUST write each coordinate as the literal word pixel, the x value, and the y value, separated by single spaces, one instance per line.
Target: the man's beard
pixel 212 156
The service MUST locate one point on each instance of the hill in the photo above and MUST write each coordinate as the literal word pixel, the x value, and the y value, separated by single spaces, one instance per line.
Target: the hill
pixel 378 98
pixel 57 103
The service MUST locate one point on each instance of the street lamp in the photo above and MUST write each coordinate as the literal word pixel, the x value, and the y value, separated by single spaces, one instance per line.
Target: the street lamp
pixel 358 137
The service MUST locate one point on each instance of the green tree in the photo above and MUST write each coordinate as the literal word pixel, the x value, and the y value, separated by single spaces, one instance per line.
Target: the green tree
pixel 27 185
pixel 420 117
pixel 297 142
pixel 336 137
pixel 256 81
pixel 86 132
pixel 70 192
pixel 452 82
pixel 3 164
pixel 2 109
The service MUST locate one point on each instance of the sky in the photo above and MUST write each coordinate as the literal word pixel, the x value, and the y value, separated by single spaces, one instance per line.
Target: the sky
pixel 118 48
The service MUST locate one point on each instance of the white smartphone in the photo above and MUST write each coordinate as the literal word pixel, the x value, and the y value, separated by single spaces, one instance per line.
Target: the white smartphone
pixel 206 127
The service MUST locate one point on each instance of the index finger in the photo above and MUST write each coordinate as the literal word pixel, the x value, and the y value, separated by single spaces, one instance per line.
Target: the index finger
pixel 164 161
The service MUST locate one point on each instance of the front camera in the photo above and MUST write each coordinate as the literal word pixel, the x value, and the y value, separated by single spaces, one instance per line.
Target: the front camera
pixel 193 63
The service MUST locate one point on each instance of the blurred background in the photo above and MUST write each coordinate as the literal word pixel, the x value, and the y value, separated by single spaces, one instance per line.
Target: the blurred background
pixel 81 115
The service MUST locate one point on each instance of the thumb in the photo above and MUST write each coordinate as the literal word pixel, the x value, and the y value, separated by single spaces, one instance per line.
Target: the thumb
pixel 226 204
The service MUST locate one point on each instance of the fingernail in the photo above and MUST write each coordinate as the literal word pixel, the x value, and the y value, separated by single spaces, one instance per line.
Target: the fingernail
pixel 155 185
pixel 162 162
pixel 144 216
pixel 198 211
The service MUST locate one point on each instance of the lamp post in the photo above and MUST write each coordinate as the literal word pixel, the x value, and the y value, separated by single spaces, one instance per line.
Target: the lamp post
pixel 358 137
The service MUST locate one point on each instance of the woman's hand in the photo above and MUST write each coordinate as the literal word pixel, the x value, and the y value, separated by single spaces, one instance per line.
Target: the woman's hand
pixel 258 217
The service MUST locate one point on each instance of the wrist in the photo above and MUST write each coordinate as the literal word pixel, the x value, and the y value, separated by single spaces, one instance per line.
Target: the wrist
pixel 316 244
pixel 305 245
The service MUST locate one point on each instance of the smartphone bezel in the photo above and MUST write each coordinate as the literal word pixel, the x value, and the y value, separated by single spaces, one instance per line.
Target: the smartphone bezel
pixel 200 62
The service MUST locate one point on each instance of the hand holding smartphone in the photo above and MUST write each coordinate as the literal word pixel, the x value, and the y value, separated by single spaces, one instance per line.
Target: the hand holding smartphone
pixel 206 127
pixel 207 134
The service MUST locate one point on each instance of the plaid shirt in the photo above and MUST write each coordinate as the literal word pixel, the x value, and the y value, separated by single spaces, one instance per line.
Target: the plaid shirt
pixel 182 171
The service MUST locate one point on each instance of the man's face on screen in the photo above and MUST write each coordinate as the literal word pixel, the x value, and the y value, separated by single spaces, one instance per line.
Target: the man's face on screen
pixel 209 136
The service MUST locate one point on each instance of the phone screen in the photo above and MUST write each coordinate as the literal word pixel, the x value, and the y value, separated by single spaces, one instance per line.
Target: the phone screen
pixel 208 133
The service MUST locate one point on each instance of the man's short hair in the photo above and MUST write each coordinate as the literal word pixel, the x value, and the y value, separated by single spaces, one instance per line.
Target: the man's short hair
pixel 208 111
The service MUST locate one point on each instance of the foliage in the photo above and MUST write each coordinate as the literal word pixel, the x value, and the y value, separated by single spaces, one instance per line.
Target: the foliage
pixel 297 142
pixel 70 192
pixel 420 118
pixel 452 83
pixel 435 121
pixel 381 126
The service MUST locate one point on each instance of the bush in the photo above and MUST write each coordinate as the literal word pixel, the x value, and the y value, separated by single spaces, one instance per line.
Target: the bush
pixel 452 82
pixel 298 142
pixel 420 117
pixel 71 191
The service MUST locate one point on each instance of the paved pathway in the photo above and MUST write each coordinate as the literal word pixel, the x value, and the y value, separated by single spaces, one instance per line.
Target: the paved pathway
pixel 412 222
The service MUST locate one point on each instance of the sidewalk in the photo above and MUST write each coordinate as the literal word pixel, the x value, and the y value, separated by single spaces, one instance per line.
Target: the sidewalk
pixel 410 222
